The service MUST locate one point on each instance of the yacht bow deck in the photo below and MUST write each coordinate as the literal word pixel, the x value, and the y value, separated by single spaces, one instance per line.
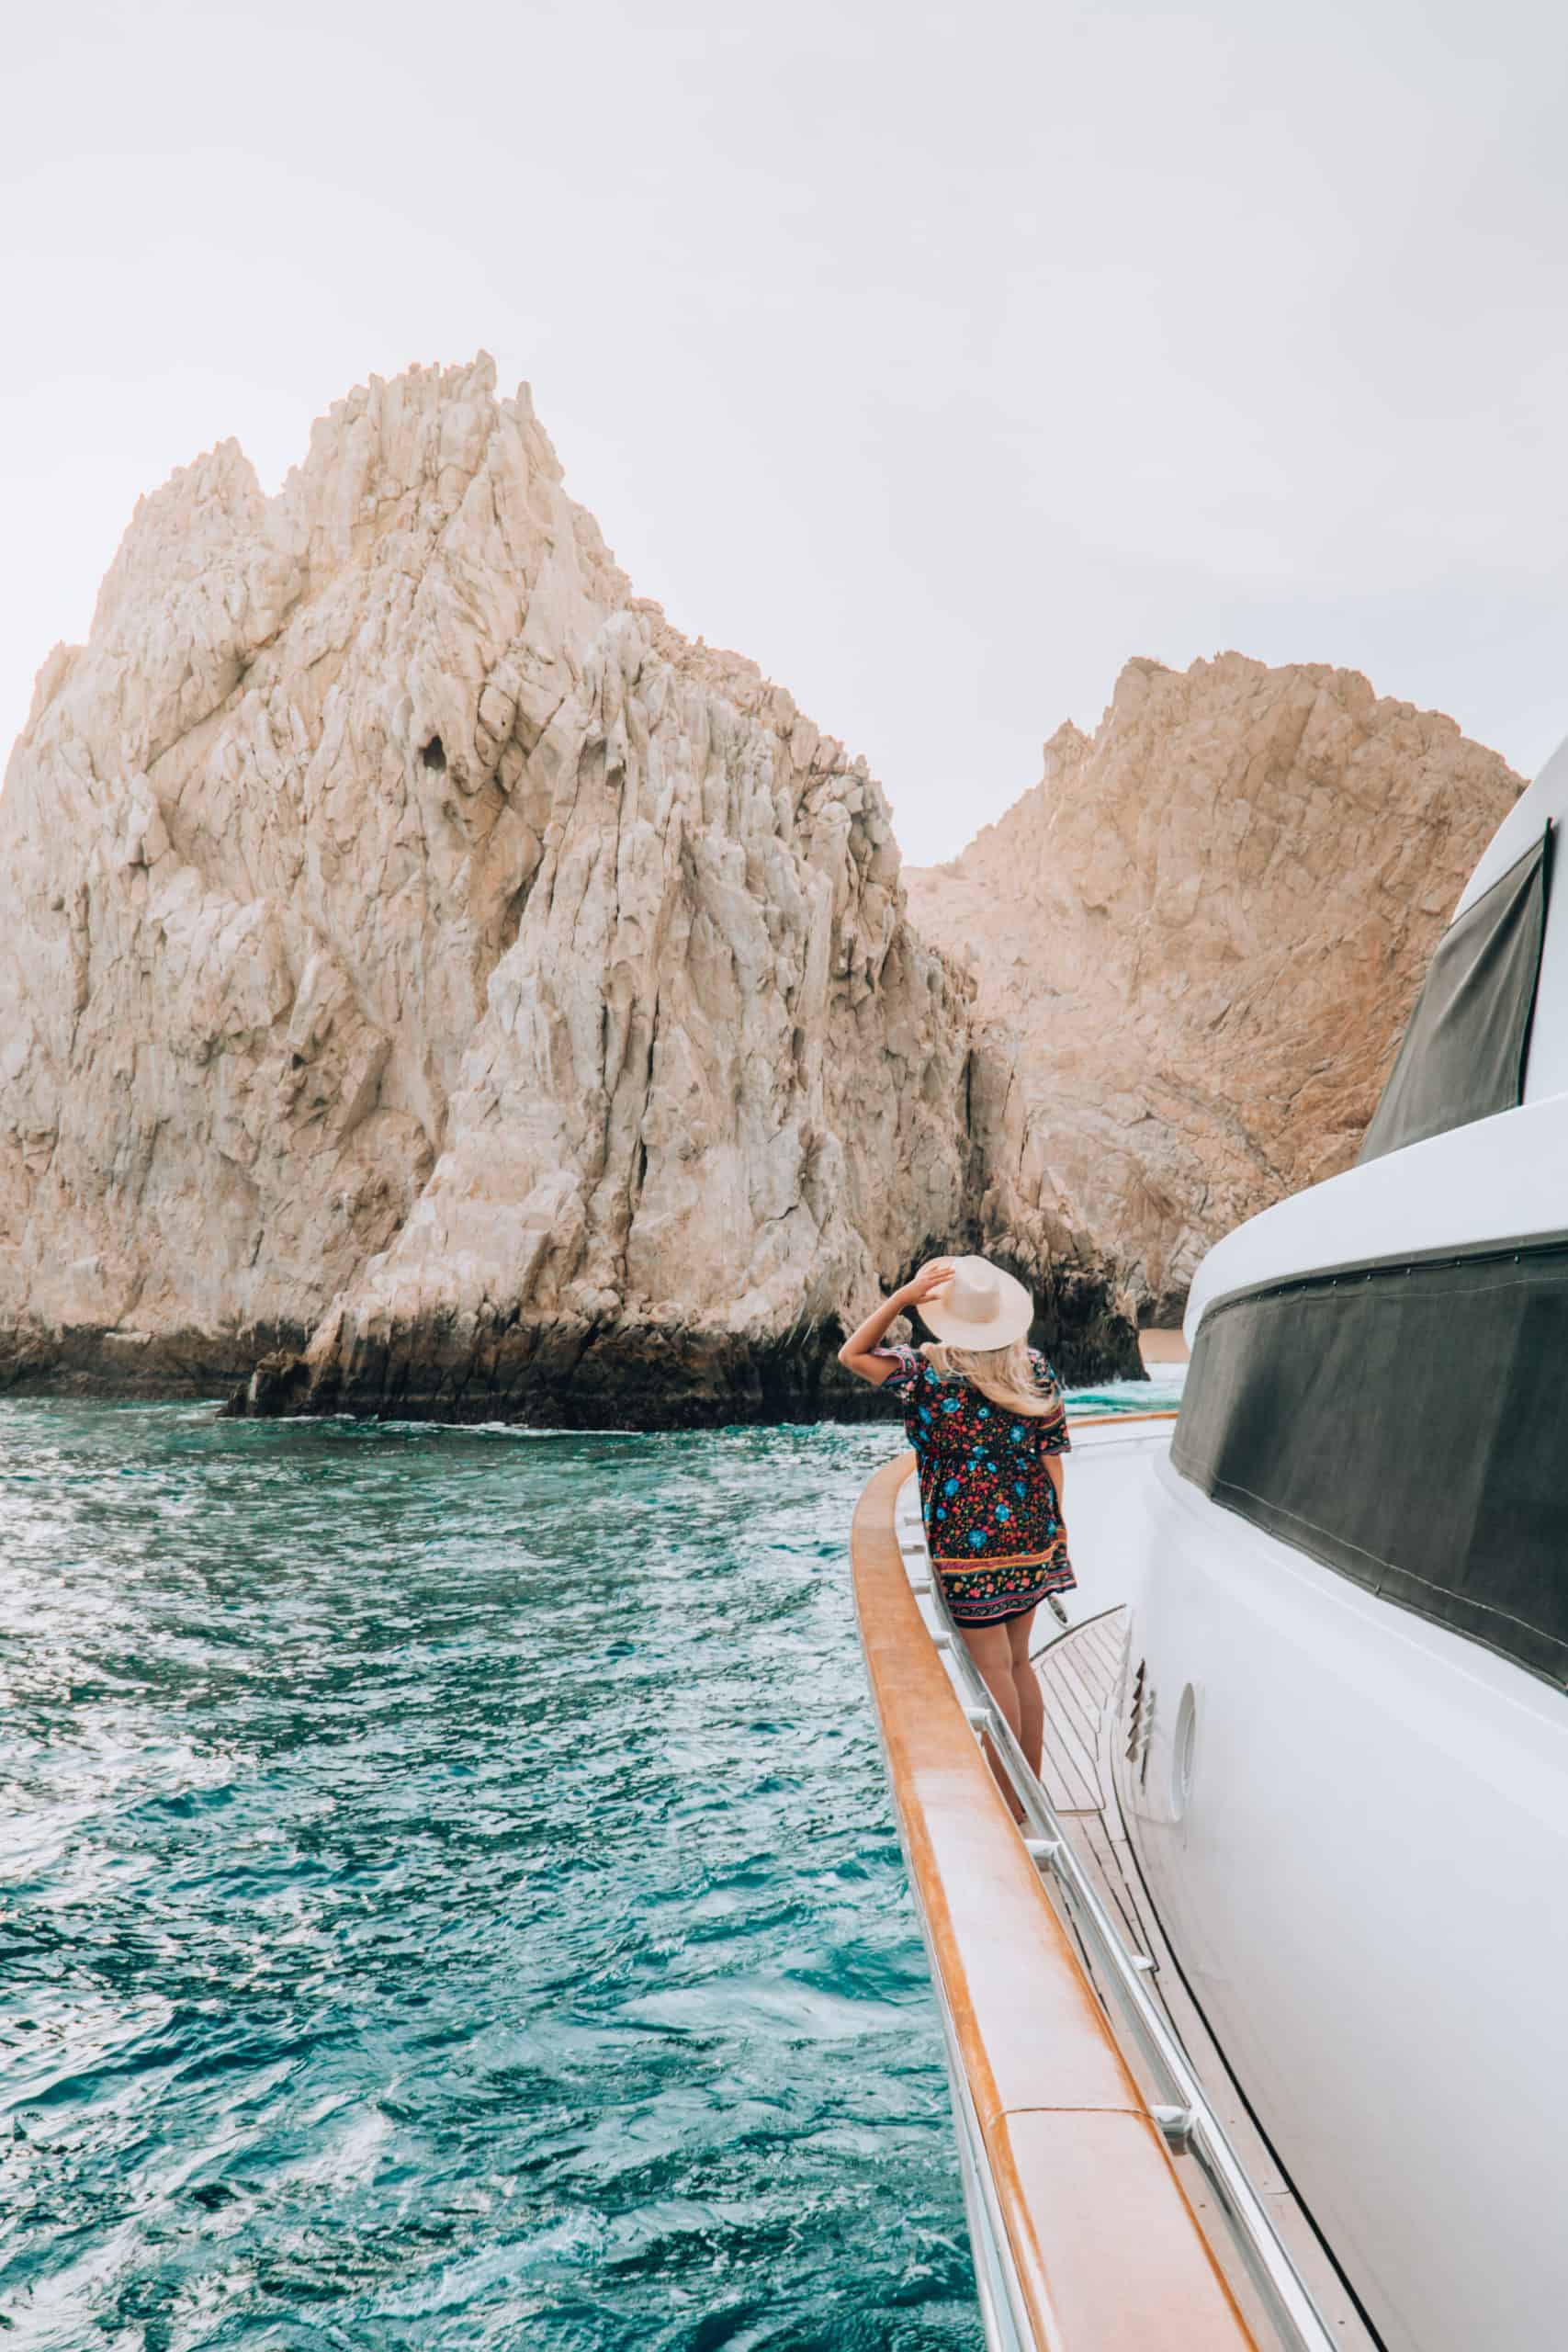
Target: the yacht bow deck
pixel 1119 2195
pixel 1079 1670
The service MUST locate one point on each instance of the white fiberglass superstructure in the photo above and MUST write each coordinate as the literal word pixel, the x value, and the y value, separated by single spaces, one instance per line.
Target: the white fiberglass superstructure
pixel 1342 1750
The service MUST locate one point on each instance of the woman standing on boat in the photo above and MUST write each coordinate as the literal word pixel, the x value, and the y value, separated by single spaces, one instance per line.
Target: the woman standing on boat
pixel 985 1415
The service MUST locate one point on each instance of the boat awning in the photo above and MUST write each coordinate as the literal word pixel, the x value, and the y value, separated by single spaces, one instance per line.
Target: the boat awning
pixel 1464 1054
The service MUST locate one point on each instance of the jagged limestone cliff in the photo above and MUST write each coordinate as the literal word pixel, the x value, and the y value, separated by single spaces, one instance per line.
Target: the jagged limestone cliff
pixel 1196 943
pixel 429 984
pixel 426 976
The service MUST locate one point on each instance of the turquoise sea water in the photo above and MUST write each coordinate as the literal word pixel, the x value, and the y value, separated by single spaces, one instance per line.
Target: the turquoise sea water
pixel 448 1898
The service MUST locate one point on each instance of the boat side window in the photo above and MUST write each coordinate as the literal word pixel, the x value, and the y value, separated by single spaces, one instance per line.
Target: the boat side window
pixel 1406 1425
pixel 1464 1051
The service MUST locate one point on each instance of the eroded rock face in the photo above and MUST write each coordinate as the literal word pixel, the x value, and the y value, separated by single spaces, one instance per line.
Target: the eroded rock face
pixel 1196 942
pixel 424 971
pixel 429 984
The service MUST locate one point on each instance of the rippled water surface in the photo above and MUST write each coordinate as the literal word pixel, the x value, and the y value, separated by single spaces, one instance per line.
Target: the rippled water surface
pixel 448 1898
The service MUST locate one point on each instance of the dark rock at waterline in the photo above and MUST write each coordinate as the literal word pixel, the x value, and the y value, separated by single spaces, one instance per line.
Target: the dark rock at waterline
pixel 88 1360
pixel 625 1375
pixel 636 1376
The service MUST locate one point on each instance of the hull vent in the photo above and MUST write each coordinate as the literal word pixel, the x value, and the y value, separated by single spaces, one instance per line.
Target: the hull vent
pixel 1140 1721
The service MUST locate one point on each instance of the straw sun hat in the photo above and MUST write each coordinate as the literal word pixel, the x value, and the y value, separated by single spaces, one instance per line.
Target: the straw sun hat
pixel 980 1308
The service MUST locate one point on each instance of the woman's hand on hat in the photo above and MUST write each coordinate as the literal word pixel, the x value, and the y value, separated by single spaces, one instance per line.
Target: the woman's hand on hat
pixel 863 1353
pixel 928 1282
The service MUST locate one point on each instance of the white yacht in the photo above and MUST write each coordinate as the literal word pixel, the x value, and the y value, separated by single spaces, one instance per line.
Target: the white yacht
pixel 1303 1824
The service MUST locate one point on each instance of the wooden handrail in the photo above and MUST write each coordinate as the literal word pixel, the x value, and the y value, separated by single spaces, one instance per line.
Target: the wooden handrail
pixel 1108 2254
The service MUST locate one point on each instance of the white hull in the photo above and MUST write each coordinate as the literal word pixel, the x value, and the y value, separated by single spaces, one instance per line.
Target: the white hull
pixel 1356 1835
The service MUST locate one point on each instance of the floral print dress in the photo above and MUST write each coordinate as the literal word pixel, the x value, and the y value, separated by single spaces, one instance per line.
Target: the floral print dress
pixel 987 1498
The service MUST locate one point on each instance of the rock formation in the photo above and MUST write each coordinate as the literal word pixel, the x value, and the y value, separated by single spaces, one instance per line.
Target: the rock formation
pixel 429 984
pixel 427 975
pixel 1196 943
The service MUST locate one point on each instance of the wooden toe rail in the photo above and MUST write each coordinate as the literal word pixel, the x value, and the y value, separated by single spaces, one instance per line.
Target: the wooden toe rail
pixel 1103 2245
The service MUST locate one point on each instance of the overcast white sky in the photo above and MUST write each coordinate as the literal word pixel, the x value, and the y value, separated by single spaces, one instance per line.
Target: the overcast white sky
pixel 937 358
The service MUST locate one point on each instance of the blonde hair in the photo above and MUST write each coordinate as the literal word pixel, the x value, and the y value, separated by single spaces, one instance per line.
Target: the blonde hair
pixel 1007 1376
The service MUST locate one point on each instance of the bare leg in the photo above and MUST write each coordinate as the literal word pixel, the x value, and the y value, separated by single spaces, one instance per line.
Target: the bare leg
pixel 1026 1683
pixel 992 1653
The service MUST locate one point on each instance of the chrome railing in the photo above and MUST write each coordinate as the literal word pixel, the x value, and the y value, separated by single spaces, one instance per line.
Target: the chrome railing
pixel 1181 2108
pixel 1000 2297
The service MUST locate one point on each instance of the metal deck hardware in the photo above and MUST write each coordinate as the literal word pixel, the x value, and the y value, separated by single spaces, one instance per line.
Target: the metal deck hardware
pixel 1176 2125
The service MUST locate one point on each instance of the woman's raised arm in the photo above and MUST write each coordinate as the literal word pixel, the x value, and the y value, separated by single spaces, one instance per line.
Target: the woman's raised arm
pixel 859 1354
